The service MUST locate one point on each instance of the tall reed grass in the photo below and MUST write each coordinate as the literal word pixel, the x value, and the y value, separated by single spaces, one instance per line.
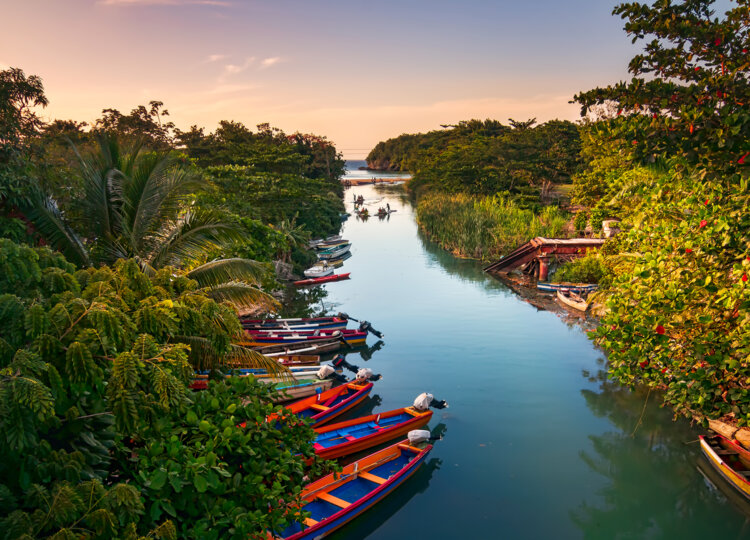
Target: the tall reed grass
pixel 484 227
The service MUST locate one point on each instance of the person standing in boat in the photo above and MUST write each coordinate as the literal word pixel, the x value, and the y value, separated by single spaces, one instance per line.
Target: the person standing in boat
pixel 388 207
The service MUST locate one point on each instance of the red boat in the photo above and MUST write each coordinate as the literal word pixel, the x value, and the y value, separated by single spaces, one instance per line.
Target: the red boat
pixel 319 280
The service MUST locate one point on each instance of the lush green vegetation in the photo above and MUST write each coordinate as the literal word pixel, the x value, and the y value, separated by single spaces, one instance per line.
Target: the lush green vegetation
pixel 484 158
pixel 484 227
pixel 589 269
pixel 672 162
pixel 100 437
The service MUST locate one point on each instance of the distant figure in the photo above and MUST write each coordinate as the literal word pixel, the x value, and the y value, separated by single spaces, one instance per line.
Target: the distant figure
pixel 388 207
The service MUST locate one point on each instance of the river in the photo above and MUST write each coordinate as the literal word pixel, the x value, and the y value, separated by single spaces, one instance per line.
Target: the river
pixel 537 443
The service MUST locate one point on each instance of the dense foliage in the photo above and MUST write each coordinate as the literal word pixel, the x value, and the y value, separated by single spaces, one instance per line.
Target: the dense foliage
pixel 484 158
pixel 99 435
pixel 673 166
pixel 484 227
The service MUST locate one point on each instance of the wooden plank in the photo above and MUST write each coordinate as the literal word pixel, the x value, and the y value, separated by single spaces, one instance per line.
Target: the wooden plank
pixel 310 522
pixel 372 478
pixel 333 500
pixel 319 407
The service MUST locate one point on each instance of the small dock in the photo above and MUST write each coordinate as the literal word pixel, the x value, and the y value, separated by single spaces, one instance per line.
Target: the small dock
pixel 533 257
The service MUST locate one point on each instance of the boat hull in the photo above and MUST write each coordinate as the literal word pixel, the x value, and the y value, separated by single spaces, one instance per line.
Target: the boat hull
pixel 299 389
pixel 313 323
pixel 326 406
pixel 724 467
pixel 334 253
pixel 277 337
pixel 319 281
pixel 565 298
pixel 318 346
pixel 577 288
pixel 400 459
pixel 344 438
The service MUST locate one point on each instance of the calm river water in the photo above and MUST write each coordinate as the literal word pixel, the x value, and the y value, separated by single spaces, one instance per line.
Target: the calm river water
pixel 537 444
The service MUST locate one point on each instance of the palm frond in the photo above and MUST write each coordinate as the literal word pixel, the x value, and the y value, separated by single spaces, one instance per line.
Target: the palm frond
pixel 242 296
pixel 155 193
pixel 102 190
pixel 225 270
pixel 50 222
pixel 203 355
pixel 189 238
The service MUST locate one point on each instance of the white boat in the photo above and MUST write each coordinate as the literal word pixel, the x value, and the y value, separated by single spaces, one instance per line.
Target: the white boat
pixel 331 239
pixel 334 253
pixel 319 270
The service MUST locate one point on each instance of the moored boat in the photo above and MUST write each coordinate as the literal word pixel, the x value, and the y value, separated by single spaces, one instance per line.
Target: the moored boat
pixel 572 300
pixel 309 323
pixel 730 459
pixel 280 336
pixel 319 270
pixel 351 436
pixel 573 287
pixel 316 346
pixel 315 243
pixel 336 499
pixel 334 252
pixel 321 280
pixel 297 388
pixel 326 406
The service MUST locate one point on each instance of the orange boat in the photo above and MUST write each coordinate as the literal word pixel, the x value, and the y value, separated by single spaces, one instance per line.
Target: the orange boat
pixel 338 498
pixel 326 406
pixel 730 459
pixel 352 436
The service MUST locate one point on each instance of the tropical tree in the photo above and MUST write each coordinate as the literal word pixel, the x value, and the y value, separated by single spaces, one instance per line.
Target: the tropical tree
pixel 136 204
pixel 294 236
pixel 679 305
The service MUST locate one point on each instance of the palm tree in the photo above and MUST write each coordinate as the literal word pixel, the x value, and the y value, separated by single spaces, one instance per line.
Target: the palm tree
pixel 136 204
pixel 294 236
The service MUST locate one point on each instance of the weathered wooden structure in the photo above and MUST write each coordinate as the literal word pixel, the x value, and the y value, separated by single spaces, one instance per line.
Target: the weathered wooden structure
pixel 533 257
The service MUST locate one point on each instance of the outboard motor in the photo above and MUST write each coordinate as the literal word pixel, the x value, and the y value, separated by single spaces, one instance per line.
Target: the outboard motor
pixel 362 374
pixel 342 315
pixel 327 372
pixel 365 326
pixel 417 436
pixel 366 374
pixel 424 401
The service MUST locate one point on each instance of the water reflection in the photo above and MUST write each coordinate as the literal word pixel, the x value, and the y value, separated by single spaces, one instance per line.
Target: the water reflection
pixel 643 459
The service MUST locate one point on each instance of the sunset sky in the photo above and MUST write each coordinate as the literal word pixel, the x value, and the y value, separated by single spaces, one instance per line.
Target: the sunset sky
pixel 355 71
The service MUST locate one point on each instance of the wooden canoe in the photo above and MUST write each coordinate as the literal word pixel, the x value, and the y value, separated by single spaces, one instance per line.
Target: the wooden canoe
pixel 332 403
pixel 338 498
pixel 319 281
pixel 281 336
pixel 316 346
pixel 298 388
pixel 572 300
pixel 729 459
pixel 311 323
pixel 356 435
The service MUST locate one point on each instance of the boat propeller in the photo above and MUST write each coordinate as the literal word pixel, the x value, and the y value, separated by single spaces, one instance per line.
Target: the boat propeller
pixel 365 326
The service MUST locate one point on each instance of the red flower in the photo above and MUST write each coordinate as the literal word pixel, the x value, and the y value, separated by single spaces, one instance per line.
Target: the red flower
pixel 703 223
pixel 691 128
pixel 744 277
pixel 619 112
pixel 664 370
pixel 614 327
pixel 741 161
pixel 635 142
pixel 660 330
pixel 706 203
pixel 697 68
pixel 688 250
pixel 644 363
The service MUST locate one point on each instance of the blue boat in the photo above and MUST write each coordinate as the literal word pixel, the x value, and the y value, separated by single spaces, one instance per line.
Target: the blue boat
pixel 577 288
pixel 338 498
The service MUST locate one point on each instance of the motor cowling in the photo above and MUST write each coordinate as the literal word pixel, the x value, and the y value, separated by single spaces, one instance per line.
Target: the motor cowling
pixel 365 326
pixel 424 401
pixel 417 436
pixel 325 371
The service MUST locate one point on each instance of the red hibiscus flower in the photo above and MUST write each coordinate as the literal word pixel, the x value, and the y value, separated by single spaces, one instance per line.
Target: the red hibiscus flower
pixel 703 223
pixel 660 330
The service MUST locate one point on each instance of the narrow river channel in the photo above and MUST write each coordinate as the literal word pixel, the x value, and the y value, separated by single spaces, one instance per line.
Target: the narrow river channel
pixel 537 444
